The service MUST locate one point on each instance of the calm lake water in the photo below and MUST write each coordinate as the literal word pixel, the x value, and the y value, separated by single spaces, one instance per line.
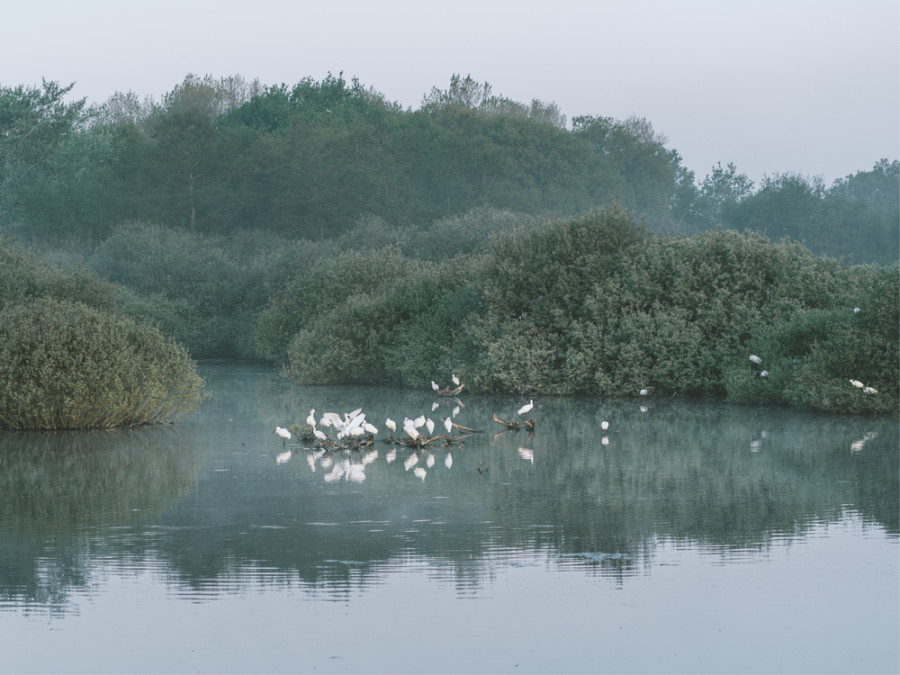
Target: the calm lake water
pixel 687 537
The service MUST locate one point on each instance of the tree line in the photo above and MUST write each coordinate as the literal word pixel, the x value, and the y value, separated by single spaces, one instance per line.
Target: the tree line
pixel 219 156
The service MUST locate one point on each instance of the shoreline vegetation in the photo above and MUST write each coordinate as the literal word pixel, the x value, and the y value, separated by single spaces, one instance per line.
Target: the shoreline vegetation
pixel 323 228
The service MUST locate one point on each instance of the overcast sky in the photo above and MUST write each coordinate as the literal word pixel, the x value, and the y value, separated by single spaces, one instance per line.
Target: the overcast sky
pixel 809 86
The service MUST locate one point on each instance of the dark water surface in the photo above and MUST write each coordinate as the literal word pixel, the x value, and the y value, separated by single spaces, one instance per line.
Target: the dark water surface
pixel 694 538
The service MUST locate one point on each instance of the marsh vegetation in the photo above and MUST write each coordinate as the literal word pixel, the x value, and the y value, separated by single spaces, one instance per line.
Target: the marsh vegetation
pixel 324 228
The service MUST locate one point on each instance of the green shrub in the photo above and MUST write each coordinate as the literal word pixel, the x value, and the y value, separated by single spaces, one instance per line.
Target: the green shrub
pixel 64 365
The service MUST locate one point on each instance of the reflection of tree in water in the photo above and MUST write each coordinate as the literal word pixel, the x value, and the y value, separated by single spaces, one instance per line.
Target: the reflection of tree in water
pixel 716 476
pixel 720 476
pixel 60 492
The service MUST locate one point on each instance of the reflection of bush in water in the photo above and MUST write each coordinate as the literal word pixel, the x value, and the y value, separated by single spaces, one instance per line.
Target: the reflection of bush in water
pixel 721 475
pixel 57 488
pixel 54 482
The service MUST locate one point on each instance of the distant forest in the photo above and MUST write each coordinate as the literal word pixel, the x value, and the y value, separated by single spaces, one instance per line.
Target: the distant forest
pixel 312 160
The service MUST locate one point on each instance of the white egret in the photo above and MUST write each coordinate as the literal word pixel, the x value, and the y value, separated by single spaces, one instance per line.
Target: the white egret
pixel 318 433
pixel 370 428
pixel 755 359
pixel 390 424
pixel 420 472
pixel 870 390
pixel 429 424
pixel 604 425
pixel 434 385
pixel 857 384
pixel 643 392
pixel 419 422
pixel 526 408
pixel 448 424
pixel 283 433
pixel 455 379
pixel 856 310
pixel 435 406
pixel 412 432
pixel 311 418
pixel 764 373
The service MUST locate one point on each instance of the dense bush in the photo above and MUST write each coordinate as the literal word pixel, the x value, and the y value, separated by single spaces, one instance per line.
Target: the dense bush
pixel 202 290
pixel 404 330
pixel 595 305
pixel 64 365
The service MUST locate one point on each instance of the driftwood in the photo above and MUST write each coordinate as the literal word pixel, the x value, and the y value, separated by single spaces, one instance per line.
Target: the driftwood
pixel 424 441
pixel 515 425
pixel 447 391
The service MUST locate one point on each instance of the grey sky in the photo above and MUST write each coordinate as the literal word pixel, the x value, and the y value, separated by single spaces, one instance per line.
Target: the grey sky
pixel 811 86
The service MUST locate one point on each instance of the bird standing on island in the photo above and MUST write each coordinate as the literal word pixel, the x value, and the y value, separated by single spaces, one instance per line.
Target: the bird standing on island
pixel 283 433
pixel 526 408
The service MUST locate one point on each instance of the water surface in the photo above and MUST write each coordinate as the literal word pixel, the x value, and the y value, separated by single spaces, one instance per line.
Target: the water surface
pixel 684 538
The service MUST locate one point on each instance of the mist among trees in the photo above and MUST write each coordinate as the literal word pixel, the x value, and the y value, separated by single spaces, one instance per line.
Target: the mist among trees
pixel 322 226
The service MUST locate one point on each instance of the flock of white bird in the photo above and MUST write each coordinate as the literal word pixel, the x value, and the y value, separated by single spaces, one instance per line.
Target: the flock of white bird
pixel 352 431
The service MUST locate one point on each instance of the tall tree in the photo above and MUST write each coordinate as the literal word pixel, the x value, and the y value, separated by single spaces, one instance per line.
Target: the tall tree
pixel 34 123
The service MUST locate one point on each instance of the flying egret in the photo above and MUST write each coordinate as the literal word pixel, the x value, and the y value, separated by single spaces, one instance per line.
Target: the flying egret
pixel 755 359
pixel 390 424
pixel 284 434
pixel 526 408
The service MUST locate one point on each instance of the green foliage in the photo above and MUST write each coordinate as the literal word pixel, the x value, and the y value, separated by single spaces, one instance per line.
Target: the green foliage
pixel 321 285
pixel 24 276
pixel 202 290
pixel 64 365
pixel 402 330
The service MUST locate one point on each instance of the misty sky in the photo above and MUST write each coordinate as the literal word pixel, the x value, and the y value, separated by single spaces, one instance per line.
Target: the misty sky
pixel 810 86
